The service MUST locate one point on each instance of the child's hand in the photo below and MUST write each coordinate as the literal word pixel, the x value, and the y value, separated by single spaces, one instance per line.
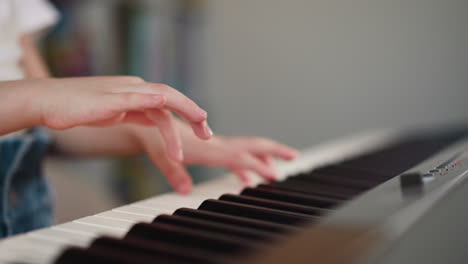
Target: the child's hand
pixel 105 101
pixel 237 154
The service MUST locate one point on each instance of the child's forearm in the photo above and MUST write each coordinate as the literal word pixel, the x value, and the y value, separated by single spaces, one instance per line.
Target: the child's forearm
pixel 122 139
pixel 94 141
pixel 16 96
pixel 15 106
pixel 79 141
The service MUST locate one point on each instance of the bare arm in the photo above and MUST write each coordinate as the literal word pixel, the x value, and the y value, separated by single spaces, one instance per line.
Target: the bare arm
pixel 107 100
pixel 15 111
pixel 134 101
pixel 78 141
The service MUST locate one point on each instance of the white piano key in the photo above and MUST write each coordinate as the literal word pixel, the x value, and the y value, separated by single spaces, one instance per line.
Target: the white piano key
pixel 26 249
pixel 147 211
pixel 217 188
pixel 171 201
pixel 60 236
pixel 44 245
pixel 134 218
pixel 104 222
pixel 94 230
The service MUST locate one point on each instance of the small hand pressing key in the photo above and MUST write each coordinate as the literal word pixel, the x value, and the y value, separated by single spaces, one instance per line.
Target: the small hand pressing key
pixel 142 111
pixel 98 116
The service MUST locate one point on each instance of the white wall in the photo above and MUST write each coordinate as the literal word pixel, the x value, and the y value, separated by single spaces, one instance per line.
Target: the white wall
pixel 302 71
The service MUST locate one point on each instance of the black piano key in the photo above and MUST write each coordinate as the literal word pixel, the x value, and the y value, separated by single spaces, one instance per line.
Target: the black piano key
pixel 191 238
pixel 347 170
pixel 334 180
pixel 350 175
pixel 303 209
pixel 158 250
pixel 75 255
pixel 323 187
pixel 236 220
pixel 256 212
pixel 306 186
pixel 399 157
pixel 227 229
pixel 290 197
pixel 313 189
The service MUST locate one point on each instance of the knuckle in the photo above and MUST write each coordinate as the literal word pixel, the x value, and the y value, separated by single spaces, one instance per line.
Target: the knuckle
pixel 160 115
pixel 162 87
pixel 240 156
pixel 262 142
pixel 55 123
pixel 133 79
pixel 171 172
pixel 166 114
pixel 128 98
pixel 231 164
pixel 252 139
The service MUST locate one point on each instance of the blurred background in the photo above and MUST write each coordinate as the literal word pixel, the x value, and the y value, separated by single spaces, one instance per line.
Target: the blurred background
pixel 298 71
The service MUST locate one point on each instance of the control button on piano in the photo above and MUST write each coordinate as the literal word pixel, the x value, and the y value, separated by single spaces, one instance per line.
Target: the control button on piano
pixel 446 163
pixel 236 220
pixel 303 209
pixel 411 184
pixel 256 212
pixel 191 238
pixel 290 197
pixel 428 176
pixel 227 229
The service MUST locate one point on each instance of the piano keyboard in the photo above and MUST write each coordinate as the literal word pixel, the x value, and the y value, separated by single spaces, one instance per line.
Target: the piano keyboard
pixel 221 220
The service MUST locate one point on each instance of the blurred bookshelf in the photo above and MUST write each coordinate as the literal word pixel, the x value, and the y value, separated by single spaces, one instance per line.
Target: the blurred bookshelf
pixel 152 39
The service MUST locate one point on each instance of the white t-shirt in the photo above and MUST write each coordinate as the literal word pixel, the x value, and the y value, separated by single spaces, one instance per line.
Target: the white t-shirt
pixel 19 17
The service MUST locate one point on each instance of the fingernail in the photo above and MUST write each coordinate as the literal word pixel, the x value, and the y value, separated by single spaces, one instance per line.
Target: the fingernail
pixel 180 155
pixel 207 129
pixel 273 176
pixel 203 113
pixel 291 155
pixel 246 183
pixel 184 187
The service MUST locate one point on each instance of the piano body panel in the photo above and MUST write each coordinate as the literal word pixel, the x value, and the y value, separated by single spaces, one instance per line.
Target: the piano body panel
pixel 393 222
pixel 43 246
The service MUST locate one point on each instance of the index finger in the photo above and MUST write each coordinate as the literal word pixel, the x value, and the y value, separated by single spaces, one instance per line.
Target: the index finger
pixel 175 100
pixel 181 104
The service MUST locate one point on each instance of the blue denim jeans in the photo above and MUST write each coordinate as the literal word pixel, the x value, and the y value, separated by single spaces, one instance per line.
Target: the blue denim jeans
pixel 25 201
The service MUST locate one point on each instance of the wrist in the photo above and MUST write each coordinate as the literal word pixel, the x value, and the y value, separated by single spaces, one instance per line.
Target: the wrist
pixel 18 102
pixel 29 104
